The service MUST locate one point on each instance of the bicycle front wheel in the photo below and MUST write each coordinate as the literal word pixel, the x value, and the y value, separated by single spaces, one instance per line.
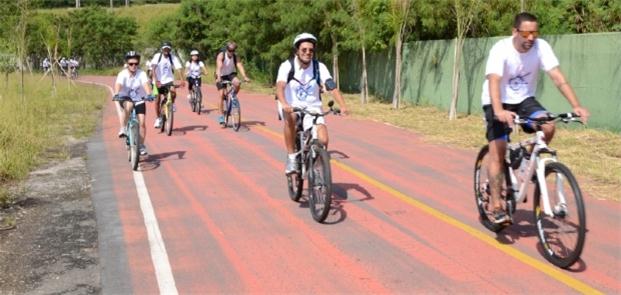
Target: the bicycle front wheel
pixel 198 101
pixel 561 235
pixel 319 183
pixel 235 114
pixel 169 120
pixel 134 144
pixel 482 193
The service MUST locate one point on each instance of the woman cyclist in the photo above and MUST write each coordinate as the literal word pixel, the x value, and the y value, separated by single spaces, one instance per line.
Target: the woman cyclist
pixel 193 69
pixel 132 85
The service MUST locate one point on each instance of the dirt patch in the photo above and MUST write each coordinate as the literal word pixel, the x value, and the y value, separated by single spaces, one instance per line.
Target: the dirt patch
pixel 53 247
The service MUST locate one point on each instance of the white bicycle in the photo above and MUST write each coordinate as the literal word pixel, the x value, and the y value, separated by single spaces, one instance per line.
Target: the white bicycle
pixel 558 206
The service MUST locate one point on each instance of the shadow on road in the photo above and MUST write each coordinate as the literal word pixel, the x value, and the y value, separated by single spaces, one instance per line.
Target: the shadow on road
pixel 152 161
pixel 186 129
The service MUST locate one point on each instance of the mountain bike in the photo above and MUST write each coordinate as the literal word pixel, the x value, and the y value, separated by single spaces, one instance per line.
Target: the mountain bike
pixel 132 138
pixel 196 97
pixel 167 112
pixel 558 205
pixel 232 111
pixel 314 162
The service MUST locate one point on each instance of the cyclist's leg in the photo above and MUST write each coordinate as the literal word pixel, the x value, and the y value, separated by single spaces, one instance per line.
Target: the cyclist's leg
pixel 121 114
pixel 531 108
pixel 127 110
pixel 236 84
pixel 289 131
pixel 497 135
pixel 141 112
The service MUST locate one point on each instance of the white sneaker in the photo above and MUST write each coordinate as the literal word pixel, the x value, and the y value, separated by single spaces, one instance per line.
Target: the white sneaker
pixel 122 132
pixel 174 108
pixel 158 123
pixel 291 166
pixel 143 150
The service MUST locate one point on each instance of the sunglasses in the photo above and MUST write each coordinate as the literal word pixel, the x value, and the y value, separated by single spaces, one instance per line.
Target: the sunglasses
pixel 132 64
pixel 309 50
pixel 525 34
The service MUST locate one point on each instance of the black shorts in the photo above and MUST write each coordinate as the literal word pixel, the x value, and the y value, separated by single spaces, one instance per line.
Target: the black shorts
pixel 228 77
pixel 530 107
pixel 191 82
pixel 163 89
pixel 140 108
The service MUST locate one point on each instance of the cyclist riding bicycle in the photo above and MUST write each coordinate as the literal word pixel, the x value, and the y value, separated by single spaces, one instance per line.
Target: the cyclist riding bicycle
pixel 134 84
pixel 226 64
pixel 509 89
pixel 162 65
pixel 299 84
pixel 193 70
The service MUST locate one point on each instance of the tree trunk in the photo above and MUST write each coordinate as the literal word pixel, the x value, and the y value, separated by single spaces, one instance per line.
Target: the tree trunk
pixel 126 3
pixel 459 43
pixel 335 61
pixel 77 3
pixel 396 97
pixel 111 4
pixel 364 83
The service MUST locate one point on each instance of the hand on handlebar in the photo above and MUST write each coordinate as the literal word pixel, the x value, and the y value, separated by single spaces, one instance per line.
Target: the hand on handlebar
pixel 246 79
pixel 505 116
pixel 287 108
pixel 583 113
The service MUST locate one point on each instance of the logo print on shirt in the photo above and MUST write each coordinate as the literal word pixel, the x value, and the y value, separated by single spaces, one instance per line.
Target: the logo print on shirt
pixel 303 91
pixel 517 82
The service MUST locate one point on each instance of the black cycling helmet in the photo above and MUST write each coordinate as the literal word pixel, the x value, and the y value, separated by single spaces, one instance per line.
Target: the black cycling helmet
pixel 166 44
pixel 132 54
pixel 304 37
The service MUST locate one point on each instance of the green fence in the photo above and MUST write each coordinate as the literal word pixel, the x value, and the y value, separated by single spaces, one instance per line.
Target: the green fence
pixel 591 62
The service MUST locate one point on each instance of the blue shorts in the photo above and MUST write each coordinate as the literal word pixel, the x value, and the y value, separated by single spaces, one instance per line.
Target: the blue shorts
pixel 528 108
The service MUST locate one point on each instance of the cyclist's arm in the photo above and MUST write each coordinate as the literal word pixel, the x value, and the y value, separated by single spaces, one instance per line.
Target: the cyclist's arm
pixel 147 88
pixel 204 69
pixel 117 88
pixel 219 59
pixel 563 86
pixel 280 94
pixel 339 99
pixel 240 66
pixel 179 68
pixel 494 93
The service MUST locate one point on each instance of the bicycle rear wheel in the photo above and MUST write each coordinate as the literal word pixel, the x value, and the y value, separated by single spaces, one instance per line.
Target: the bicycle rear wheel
pixel 235 114
pixel 561 235
pixel 169 120
pixel 319 183
pixel 134 144
pixel 482 195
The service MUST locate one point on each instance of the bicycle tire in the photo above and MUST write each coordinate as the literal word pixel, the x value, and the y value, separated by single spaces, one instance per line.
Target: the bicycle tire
pixel 482 195
pixel 295 181
pixel 169 120
pixel 163 112
pixel 198 101
pixel 555 249
pixel 236 114
pixel 134 145
pixel 319 184
pixel 193 100
pixel 227 112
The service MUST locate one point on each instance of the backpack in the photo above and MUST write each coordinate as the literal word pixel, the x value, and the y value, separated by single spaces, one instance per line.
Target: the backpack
pixel 172 65
pixel 223 50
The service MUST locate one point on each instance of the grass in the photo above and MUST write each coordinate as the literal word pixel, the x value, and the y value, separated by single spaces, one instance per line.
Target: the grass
pixel 593 155
pixel 34 128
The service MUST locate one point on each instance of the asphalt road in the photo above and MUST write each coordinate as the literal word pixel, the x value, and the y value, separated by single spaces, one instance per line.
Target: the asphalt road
pixel 209 212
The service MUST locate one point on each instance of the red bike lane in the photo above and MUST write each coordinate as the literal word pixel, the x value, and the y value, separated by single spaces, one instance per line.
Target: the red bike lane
pixel 404 219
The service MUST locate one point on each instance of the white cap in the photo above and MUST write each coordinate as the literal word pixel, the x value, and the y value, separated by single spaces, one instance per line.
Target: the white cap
pixel 194 52
pixel 304 36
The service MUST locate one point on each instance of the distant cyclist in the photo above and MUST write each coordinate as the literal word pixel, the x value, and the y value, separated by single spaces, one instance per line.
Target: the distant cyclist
pixel 512 72
pixel 226 65
pixel 162 65
pixel 193 69
pixel 308 77
pixel 133 84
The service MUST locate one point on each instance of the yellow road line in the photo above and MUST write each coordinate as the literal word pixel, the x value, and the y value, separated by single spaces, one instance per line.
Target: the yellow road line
pixel 547 269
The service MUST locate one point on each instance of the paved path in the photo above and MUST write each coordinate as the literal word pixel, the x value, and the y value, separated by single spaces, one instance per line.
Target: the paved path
pixel 404 218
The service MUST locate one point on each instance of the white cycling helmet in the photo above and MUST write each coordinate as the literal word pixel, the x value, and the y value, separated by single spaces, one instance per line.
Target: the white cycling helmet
pixel 194 52
pixel 304 37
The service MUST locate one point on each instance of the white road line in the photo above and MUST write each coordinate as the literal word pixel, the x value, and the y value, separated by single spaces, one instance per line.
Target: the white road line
pixel 159 256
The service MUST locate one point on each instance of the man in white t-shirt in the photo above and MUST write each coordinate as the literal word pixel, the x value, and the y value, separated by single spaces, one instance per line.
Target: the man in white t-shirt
pixel 512 72
pixel 130 88
pixel 303 90
pixel 162 65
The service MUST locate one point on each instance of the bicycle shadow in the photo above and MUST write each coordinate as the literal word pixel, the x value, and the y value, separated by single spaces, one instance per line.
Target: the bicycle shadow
pixel 334 154
pixel 345 193
pixel 245 125
pixel 153 161
pixel 186 129
pixel 522 227
pixel 207 111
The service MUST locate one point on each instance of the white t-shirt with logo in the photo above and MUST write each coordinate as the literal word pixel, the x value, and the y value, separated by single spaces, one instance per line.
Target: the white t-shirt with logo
pixel 131 85
pixel 519 71
pixel 163 68
pixel 302 91
pixel 194 69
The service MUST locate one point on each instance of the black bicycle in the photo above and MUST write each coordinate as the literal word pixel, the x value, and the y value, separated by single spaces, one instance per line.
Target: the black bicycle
pixel 314 162
pixel 196 97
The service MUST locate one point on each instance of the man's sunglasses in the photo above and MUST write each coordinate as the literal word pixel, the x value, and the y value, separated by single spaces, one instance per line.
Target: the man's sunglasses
pixel 525 34
pixel 309 50
pixel 132 63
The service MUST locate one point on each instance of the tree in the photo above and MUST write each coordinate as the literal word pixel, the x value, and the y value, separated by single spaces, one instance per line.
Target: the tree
pixel 464 13
pixel 400 10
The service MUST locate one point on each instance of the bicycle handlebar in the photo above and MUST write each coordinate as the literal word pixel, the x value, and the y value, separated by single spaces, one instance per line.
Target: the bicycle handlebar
pixel 564 117
pixel 319 114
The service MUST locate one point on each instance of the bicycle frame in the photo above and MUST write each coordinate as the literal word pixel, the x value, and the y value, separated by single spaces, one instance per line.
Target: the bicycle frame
pixel 536 167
